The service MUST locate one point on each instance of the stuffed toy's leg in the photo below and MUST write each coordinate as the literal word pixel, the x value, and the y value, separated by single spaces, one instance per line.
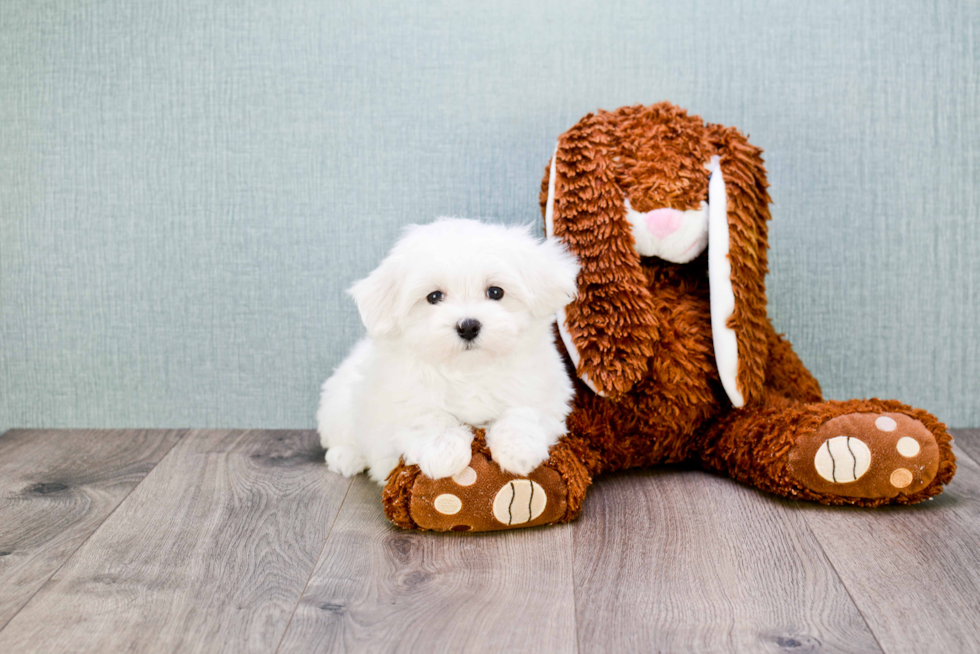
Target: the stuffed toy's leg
pixel 860 452
pixel 484 498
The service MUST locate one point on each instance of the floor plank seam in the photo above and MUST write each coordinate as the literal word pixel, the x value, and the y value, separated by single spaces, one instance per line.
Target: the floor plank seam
pixel 840 579
pixel 316 562
pixel 574 543
pixel 182 434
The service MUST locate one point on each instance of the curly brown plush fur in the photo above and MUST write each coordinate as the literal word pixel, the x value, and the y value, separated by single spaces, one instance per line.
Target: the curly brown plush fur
pixel 641 327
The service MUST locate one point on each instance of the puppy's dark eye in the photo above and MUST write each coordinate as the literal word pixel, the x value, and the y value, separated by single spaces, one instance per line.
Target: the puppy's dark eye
pixel 435 297
pixel 495 292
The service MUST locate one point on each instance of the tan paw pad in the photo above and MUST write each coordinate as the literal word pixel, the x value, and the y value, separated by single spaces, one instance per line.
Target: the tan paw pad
pixel 842 459
pixel 520 501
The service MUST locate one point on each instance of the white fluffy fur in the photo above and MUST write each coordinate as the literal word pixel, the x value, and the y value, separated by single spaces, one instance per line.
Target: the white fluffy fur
pixel 412 386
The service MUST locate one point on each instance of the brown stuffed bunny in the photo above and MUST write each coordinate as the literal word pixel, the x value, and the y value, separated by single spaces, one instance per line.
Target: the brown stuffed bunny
pixel 673 352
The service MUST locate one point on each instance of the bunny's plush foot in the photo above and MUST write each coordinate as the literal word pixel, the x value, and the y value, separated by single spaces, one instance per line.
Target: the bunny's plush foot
pixel 484 498
pixel 870 455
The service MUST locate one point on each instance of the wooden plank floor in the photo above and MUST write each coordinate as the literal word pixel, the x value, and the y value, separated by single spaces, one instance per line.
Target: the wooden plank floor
pixel 241 541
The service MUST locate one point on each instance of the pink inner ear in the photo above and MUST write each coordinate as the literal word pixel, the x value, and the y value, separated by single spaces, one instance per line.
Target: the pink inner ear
pixel 663 222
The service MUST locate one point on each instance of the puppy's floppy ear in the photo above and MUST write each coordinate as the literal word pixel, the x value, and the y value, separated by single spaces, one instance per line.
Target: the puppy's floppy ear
pixel 377 298
pixel 549 272
pixel 610 329
pixel 740 300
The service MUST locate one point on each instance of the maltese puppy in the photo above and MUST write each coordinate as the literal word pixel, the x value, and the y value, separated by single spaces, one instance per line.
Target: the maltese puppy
pixel 459 322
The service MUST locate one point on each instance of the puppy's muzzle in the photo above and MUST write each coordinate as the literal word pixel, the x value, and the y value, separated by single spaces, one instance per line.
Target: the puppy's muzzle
pixel 468 329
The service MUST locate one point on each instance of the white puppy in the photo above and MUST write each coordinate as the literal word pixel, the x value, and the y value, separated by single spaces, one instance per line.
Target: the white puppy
pixel 459 322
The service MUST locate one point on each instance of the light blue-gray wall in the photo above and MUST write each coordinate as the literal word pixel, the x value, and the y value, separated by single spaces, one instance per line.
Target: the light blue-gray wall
pixel 187 186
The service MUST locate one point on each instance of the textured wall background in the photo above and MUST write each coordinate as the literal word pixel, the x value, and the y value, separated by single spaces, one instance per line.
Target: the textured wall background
pixel 186 187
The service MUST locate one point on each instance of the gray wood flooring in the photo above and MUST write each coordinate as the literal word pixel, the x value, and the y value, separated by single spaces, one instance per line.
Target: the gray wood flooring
pixel 241 541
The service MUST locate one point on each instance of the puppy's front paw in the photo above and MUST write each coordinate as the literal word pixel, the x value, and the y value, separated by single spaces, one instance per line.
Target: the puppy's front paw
pixel 345 461
pixel 447 454
pixel 518 445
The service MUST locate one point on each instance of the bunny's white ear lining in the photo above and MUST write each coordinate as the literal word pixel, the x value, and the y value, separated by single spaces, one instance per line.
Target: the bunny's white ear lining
pixel 719 279
pixel 720 282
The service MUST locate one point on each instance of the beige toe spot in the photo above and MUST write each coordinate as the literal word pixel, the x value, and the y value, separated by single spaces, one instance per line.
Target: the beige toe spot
pixel 465 478
pixel 884 423
pixel 448 504
pixel 907 446
pixel 901 478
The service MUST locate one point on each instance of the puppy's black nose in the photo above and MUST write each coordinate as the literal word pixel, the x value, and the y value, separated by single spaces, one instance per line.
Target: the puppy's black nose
pixel 468 329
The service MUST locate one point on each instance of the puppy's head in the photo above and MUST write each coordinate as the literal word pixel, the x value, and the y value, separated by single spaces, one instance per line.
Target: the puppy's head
pixel 460 288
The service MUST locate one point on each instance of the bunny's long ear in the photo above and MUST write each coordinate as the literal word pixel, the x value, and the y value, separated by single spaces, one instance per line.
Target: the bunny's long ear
pixel 610 328
pixel 737 263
